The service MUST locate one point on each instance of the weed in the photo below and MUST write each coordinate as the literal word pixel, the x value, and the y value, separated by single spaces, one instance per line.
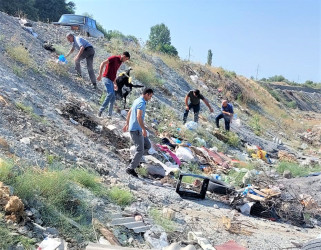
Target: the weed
pixel 17 70
pixel 142 172
pixel 255 125
pixel 291 104
pixel 168 225
pixel 102 98
pixel 233 139
pixel 229 74
pixel 120 196
pixel 297 170
pixel 7 239
pixel 6 170
pixel 235 178
pixel 61 49
pixel 20 54
pixel 57 68
pixel 29 111
pixel 147 76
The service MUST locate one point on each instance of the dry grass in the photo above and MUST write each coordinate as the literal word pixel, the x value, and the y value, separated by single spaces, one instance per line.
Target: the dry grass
pixel 57 68
pixel 20 54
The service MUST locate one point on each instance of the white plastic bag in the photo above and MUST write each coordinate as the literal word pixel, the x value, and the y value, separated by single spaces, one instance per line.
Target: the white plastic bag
pixel 185 154
pixel 191 125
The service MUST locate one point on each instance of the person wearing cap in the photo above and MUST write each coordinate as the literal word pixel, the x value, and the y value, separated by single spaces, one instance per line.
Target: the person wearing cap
pixel 227 114
pixel 111 65
pixel 195 96
pixel 85 51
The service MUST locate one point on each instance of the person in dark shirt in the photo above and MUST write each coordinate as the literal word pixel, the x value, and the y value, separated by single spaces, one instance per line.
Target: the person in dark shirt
pixel 227 114
pixel 111 66
pixel 195 96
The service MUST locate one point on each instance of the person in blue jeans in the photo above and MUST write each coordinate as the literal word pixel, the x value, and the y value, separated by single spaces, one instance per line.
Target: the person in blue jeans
pixel 194 96
pixel 227 114
pixel 135 125
pixel 108 78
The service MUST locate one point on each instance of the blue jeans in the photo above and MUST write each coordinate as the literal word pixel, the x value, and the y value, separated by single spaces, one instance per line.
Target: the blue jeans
pixel 110 96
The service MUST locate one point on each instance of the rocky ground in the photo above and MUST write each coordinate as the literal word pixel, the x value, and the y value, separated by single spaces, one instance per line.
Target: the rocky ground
pixel 47 111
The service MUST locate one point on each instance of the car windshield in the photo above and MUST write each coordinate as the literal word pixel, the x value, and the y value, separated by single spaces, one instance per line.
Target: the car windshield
pixel 71 19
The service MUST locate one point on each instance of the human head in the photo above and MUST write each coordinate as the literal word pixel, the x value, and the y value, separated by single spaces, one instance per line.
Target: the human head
pixel 125 56
pixel 148 93
pixel 224 103
pixel 196 92
pixel 70 37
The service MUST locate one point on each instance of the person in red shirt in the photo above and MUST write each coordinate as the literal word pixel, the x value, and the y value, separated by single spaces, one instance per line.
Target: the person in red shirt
pixel 111 66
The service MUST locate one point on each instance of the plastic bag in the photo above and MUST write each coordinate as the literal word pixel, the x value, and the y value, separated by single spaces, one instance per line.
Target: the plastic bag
pixel 191 125
pixel 185 154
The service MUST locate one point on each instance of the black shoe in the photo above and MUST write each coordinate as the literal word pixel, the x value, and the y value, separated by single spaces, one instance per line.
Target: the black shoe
pixel 132 172
pixel 94 85
pixel 99 113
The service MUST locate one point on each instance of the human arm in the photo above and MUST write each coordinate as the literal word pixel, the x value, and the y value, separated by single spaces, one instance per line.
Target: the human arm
pixel 115 85
pixel 81 50
pixel 141 122
pixel 208 105
pixel 101 68
pixel 186 102
pixel 125 128
pixel 70 51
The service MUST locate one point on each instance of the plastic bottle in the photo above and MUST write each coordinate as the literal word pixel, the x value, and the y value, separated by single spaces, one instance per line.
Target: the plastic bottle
pixel 217 177
pixel 62 59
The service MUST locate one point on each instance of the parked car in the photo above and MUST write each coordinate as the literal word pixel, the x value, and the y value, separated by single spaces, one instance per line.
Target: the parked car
pixel 80 25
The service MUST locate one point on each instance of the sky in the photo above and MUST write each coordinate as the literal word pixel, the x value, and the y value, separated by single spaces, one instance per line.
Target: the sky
pixel 259 38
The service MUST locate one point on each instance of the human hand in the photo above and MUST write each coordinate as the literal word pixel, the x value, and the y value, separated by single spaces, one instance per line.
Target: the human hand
pixel 99 78
pixel 76 58
pixel 115 87
pixel 144 133
pixel 187 108
pixel 125 128
pixel 211 110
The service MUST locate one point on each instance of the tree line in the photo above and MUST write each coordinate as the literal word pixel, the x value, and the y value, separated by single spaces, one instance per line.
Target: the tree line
pixel 38 10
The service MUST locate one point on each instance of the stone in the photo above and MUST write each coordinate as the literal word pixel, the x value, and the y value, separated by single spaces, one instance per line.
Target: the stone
pixel 168 213
pixel 25 140
pixel 287 174
pixel 216 206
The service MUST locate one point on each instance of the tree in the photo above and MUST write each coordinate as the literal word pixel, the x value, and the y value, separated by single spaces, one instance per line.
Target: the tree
pixel 51 10
pixel 209 57
pixel 160 40
pixel 44 10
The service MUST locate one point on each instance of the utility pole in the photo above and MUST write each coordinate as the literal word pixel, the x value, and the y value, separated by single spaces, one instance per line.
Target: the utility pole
pixel 189 53
pixel 257 71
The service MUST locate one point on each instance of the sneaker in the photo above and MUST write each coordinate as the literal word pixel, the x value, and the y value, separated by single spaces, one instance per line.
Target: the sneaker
pixel 132 172
pixel 94 86
pixel 99 113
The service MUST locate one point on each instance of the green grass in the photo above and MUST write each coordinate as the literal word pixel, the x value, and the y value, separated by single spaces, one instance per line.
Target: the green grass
pixel 20 54
pixel 233 139
pixel 57 191
pixel 235 177
pixel 102 98
pixel 17 70
pixel 61 49
pixel 297 170
pixel 120 196
pixel 29 111
pixel 168 225
pixel 147 76
pixel 7 239
pixel 142 171
pixel 256 125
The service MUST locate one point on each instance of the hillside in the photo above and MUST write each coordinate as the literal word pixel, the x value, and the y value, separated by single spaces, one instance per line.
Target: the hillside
pixel 68 166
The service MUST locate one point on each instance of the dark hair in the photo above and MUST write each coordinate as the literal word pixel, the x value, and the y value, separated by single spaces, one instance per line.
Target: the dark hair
pixel 126 54
pixel 197 92
pixel 148 91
